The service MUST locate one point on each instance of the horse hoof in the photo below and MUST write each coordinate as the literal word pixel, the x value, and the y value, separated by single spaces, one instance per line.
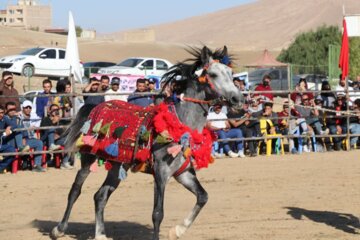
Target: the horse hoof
pixel 172 234
pixel 55 233
pixel 101 237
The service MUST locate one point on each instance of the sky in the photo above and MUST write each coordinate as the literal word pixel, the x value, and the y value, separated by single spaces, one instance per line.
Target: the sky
pixel 115 15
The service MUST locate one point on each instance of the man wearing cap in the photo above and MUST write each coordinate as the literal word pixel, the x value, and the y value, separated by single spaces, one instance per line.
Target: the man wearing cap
pixel 151 85
pixel 30 120
pixel 115 83
pixel 8 91
pixel 93 87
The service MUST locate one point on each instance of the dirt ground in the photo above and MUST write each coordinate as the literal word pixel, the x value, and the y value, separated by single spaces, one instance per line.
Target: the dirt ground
pixel 308 196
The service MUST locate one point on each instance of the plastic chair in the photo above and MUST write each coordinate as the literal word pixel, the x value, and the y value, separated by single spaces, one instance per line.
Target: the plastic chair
pixel 279 145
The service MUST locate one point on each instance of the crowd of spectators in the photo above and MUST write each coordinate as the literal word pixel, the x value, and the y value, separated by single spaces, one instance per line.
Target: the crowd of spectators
pixel 19 122
pixel 307 119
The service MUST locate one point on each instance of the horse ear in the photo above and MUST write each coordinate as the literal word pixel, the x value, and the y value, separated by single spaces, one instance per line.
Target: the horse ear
pixel 205 55
pixel 225 51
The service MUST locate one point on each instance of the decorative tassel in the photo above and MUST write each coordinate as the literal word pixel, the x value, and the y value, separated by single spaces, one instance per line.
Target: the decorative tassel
pixel 142 130
pixel 113 149
pixel 93 167
pixel 79 142
pixel 85 128
pixel 119 131
pixel 162 140
pixel 108 165
pixel 89 140
pixel 142 155
pixel 145 136
pixel 106 128
pixel 122 173
pixel 96 128
pixel 185 140
pixel 187 152
pixel 174 150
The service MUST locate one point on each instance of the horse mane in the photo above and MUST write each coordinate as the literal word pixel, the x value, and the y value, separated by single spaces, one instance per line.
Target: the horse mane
pixel 186 69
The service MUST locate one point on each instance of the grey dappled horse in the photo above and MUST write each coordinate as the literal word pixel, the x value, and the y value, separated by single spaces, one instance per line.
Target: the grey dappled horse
pixel 220 84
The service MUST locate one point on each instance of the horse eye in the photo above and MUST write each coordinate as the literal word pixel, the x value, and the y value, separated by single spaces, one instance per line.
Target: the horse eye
pixel 213 75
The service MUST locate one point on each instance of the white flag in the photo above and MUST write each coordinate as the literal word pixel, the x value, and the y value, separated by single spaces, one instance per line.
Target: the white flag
pixel 72 51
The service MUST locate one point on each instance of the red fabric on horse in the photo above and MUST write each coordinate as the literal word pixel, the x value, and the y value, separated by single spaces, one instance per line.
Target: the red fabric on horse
pixel 126 117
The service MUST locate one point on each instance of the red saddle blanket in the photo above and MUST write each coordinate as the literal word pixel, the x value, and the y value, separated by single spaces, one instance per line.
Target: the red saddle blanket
pixel 119 124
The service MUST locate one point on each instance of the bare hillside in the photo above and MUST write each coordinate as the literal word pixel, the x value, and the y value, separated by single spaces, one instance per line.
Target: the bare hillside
pixel 271 24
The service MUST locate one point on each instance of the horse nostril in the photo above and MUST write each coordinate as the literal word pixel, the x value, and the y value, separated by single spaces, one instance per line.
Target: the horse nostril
pixel 235 100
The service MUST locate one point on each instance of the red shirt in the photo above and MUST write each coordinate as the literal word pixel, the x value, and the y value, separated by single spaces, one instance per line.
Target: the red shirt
pixel 264 88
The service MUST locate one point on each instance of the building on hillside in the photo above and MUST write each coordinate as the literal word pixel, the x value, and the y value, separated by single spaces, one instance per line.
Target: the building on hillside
pixel 141 35
pixel 88 34
pixel 27 14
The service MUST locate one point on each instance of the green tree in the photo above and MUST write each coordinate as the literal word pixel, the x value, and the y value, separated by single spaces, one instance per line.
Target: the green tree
pixel 354 57
pixel 78 30
pixel 311 48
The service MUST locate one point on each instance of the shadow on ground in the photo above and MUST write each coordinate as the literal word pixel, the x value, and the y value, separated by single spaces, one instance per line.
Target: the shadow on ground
pixel 114 230
pixel 342 221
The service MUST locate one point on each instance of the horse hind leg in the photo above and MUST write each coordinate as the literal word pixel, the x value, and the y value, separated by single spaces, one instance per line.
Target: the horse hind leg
pixel 189 180
pixel 101 197
pixel 75 191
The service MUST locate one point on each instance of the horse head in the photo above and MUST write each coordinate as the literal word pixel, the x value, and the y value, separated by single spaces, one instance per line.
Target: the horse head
pixel 215 71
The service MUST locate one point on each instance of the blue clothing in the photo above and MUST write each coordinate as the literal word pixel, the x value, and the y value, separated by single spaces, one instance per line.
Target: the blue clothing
pixel 142 101
pixel 4 148
pixel 232 133
pixel 41 103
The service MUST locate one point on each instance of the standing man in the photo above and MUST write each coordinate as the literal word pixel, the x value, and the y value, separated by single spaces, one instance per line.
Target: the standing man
pixel 7 89
pixel 93 87
pixel 265 87
pixel 115 83
pixel 104 83
pixel 141 100
pixel 44 100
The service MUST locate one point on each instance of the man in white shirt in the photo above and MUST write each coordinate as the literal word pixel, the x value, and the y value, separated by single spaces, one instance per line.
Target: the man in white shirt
pixel 115 88
pixel 342 87
pixel 224 131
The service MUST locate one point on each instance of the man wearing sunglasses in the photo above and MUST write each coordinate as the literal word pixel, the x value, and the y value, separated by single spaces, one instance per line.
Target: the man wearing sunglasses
pixel 30 120
pixel 8 91
pixel 12 119
pixel 4 148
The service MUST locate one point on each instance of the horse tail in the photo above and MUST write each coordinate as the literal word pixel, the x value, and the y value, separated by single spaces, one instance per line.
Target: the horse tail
pixel 72 133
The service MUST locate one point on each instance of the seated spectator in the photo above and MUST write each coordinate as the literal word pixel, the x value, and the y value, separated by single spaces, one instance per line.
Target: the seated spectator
pixel 54 137
pixel 141 100
pixel 8 90
pixel 30 121
pixel 265 88
pixel 75 101
pixel 93 87
pixel 337 121
pixel 115 83
pixel 300 89
pixel 310 113
pixel 42 103
pixel 288 125
pixel 327 98
pixel 5 148
pixel 342 88
pixel 224 131
pixel 237 119
pixel 272 116
pixel 241 85
pixel 354 126
pixel 13 121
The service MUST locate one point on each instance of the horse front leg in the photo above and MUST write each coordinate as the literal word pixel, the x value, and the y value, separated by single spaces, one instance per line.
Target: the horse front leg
pixel 189 180
pixel 101 197
pixel 75 191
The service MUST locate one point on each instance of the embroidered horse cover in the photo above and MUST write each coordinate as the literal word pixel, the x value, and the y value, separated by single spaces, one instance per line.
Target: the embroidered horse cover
pixel 119 114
